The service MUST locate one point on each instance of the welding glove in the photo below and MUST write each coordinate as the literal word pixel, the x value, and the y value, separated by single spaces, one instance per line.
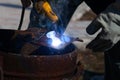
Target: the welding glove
pixel 26 3
pixel 109 22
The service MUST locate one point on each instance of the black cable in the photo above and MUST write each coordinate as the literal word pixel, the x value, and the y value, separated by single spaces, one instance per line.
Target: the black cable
pixel 22 17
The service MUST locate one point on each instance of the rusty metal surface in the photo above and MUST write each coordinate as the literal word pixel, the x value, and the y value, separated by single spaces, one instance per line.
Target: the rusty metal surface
pixel 44 40
pixel 76 75
pixel 39 66
pixel 40 37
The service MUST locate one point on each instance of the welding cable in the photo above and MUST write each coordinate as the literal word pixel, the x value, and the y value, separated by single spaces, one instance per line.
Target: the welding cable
pixel 21 19
pixel 2 74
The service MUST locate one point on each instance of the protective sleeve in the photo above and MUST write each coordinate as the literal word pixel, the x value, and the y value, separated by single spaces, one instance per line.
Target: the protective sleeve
pixel 97 5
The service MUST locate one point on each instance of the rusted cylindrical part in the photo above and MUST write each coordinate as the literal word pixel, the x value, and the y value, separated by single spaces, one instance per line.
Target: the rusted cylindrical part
pixel 36 66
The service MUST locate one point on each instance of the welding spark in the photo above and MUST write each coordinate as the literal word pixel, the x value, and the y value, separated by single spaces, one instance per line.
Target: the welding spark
pixel 56 42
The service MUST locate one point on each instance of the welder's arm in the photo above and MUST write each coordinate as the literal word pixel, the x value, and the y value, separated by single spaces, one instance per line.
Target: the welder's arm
pixel 26 3
pixel 109 22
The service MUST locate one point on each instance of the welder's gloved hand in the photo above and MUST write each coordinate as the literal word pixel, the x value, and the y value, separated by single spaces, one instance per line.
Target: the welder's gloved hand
pixel 26 3
pixel 109 21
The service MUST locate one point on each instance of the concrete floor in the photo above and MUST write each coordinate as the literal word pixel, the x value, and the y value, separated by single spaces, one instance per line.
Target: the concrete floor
pixel 10 11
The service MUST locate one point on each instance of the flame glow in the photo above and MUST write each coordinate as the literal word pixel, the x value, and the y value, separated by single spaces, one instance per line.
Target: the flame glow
pixel 56 42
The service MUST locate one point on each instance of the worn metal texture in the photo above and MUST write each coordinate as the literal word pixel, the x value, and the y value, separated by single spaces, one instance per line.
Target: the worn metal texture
pixel 43 63
pixel 39 66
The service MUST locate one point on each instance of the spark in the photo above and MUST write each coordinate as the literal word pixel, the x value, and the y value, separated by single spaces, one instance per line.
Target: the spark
pixel 56 42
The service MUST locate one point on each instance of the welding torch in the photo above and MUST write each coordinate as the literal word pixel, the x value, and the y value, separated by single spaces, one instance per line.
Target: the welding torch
pixel 43 7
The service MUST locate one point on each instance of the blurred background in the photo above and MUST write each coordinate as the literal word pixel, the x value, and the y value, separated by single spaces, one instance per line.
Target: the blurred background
pixel 10 13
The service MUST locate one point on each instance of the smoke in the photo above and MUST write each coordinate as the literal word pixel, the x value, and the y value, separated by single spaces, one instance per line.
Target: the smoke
pixel 59 7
